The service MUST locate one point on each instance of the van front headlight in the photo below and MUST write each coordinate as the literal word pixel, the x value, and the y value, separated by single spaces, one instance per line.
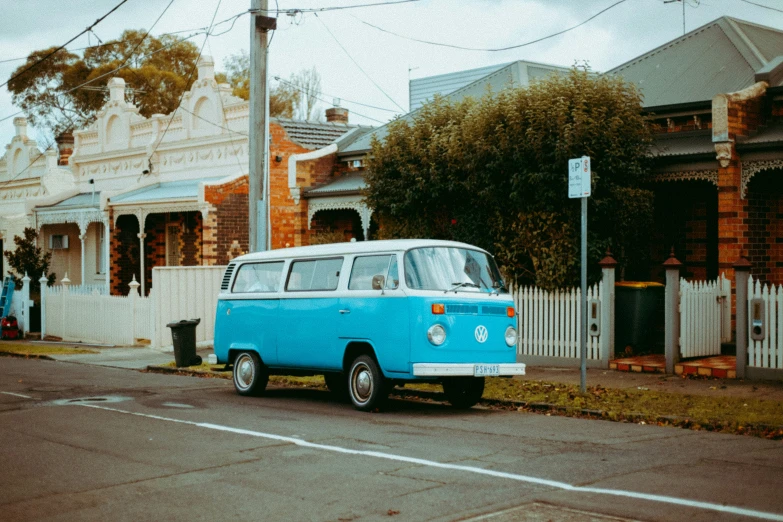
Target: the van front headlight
pixel 511 336
pixel 436 334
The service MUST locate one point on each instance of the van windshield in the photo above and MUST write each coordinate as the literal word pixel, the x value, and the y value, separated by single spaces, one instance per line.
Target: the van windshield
pixel 449 268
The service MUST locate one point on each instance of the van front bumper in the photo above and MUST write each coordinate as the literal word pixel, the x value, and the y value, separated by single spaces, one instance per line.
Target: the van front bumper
pixel 465 369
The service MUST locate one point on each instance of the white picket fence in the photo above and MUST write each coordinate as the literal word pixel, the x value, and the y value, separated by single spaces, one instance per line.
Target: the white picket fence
pixel 549 322
pixel 768 352
pixel 184 293
pixel 177 293
pixel 705 316
pixel 107 319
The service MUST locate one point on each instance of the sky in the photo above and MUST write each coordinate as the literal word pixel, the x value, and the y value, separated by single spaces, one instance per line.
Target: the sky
pixel 359 63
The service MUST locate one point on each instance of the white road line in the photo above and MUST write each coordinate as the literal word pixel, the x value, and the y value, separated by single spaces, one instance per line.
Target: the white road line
pixel 16 395
pixel 469 469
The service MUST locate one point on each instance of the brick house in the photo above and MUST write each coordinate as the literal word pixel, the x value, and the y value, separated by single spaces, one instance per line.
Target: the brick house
pixel 714 98
pixel 172 190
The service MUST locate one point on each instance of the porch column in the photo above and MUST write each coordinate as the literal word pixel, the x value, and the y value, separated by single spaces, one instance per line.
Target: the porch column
pixel 107 254
pixel 82 238
pixel 141 262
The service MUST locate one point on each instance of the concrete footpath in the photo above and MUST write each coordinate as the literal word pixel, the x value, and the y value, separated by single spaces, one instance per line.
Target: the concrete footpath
pixel 139 358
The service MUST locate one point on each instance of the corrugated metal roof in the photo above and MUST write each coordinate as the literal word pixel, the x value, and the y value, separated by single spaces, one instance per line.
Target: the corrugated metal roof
pixel 83 200
pixel 184 189
pixel 495 81
pixel 314 134
pixel 350 183
pixel 683 144
pixel 769 134
pixel 719 57
pixel 421 90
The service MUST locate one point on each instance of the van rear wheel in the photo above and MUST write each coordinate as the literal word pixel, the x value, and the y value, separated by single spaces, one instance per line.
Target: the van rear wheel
pixel 463 392
pixel 250 375
pixel 366 384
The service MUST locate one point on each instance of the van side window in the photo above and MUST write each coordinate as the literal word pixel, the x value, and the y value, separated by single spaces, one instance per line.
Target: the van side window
pixel 258 277
pixel 365 268
pixel 315 274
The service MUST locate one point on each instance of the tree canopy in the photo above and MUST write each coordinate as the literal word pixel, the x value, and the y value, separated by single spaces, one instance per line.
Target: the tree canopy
pixel 493 172
pixel 157 73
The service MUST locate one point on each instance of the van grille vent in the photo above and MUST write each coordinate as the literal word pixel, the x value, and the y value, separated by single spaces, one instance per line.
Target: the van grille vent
pixel 227 277
pixel 461 309
pixel 493 310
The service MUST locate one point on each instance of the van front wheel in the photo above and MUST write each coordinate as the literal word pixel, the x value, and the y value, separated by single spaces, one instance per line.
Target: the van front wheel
pixel 366 385
pixel 463 392
pixel 250 376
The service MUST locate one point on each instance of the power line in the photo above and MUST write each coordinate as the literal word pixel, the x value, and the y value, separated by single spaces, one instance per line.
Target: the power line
pixel 89 28
pixel 116 42
pixel 192 70
pixel 325 101
pixel 762 5
pixel 357 63
pixel 440 44
pixel 293 11
pixel 279 79
pixel 124 64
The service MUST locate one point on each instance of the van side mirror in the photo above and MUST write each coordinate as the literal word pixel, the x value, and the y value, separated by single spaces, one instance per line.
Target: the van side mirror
pixel 377 282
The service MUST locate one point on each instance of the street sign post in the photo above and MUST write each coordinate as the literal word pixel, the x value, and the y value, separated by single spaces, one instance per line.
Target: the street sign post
pixel 579 177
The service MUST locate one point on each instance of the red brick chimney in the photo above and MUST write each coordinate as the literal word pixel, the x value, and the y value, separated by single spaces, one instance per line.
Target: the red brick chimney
pixel 65 146
pixel 337 114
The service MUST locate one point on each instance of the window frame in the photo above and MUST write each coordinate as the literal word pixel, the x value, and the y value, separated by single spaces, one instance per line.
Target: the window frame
pixel 314 259
pixel 235 277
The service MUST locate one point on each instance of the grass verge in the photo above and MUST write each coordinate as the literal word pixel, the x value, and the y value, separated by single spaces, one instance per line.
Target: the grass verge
pixel 32 350
pixel 743 416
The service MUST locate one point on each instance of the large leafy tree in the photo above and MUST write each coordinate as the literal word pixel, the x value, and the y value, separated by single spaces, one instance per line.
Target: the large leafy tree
pixel 158 71
pixel 493 172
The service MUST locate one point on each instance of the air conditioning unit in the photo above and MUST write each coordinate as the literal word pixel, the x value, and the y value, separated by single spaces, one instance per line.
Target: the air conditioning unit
pixel 58 242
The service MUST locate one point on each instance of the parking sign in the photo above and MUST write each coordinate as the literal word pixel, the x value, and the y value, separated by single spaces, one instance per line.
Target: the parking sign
pixel 579 177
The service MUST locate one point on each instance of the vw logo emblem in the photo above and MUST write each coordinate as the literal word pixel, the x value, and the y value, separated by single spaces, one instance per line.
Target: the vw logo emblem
pixel 481 333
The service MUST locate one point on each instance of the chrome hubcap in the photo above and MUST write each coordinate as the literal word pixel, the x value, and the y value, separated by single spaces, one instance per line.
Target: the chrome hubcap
pixel 245 372
pixel 362 383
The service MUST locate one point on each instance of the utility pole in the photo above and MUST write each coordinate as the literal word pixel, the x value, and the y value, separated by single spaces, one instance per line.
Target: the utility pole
pixel 260 25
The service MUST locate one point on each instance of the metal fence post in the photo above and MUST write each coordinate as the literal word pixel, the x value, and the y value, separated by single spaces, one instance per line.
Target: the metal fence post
pixel 741 275
pixel 44 288
pixel 608 265
pixel 672 310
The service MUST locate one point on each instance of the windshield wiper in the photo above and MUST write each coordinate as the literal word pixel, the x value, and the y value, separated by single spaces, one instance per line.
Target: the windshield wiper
pixel 460 285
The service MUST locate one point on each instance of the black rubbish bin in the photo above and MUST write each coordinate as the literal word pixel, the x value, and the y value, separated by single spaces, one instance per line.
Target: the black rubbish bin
pixel 183 334
pixel 639 317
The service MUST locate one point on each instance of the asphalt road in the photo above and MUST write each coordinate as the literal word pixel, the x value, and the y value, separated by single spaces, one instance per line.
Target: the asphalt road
pixel 82 442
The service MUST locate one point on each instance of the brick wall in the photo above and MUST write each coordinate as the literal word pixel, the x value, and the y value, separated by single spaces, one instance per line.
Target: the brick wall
pixel 289 219
pixel 764 226
pixel 124 254
pixel 228 222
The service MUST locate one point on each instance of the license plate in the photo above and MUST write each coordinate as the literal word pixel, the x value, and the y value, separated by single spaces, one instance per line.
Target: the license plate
pixel 483 370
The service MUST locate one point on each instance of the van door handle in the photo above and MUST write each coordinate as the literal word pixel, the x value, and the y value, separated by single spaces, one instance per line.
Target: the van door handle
pixel 346 311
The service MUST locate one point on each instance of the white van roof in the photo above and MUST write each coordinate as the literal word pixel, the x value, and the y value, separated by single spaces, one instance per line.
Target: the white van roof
pixel 359 247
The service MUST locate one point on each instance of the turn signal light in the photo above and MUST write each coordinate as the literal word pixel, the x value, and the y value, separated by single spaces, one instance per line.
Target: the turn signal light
pixel 510 311
pixel 438 309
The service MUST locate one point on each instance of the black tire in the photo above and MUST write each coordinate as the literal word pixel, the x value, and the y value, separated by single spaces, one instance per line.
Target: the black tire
pixel 250 375
pixel 337 384
pixel 366 385
pixel 463 392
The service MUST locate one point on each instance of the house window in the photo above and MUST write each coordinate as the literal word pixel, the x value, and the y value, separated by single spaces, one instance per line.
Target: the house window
pixel 172 245
pixel 100 254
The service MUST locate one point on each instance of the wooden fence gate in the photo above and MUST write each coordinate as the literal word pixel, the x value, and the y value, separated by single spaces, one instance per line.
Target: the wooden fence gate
pixel 705 316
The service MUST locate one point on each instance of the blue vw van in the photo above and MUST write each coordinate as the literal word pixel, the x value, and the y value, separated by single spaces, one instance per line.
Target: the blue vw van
pixel 368 316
